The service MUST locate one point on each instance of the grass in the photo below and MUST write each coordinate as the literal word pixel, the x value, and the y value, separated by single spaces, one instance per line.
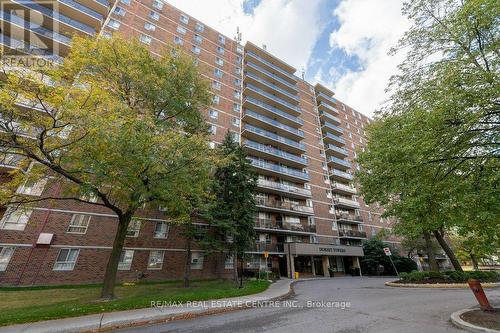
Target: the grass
pixel 22 305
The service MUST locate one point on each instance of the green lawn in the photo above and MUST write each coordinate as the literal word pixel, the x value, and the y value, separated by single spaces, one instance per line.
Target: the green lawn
pixel 34 304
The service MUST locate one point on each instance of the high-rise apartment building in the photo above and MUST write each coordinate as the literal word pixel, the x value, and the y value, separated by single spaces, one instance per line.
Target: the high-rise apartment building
pixel 301 140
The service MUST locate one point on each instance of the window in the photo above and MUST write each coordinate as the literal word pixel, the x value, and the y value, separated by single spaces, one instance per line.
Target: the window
pixel 219 61
pixel 126 258
pixel 145 39
pixel 133 228
pixel 90 197
pixel 309 203
pixel 237 71
pixel 236 122
pixel 374 232
pixel 239 49
pixel 197 261
pixel 161 230
pixel 107 34
pixel 334 225
pixel 15 219
pixel 237 82
pixel 154 15
pixel 119 11
pixel 184 19
pixel 199 27
pixel 220 50
pixel 222 39
pixel 156 259
pixel 66 259
pixel 157 4
pixel 236 107
pixel 229 262
pixel 114 24
pixel 235 136
pixel 218 73
pixel 79 224
pixel 32 187
pixel 214 114
pixel 149 26
pixel 6 253
pixel 181 30
pixel 126 2
pixel 237 94
pixel 197 39
pixel 216 85
pixel 178 40
pixel 195 49
pixel 213 129
pixel 216 99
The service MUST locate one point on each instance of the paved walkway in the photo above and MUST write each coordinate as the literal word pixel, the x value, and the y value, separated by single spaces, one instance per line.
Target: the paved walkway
pixel 160 312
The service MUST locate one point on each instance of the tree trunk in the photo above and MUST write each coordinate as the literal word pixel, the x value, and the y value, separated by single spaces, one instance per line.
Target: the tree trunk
pixel 447 249
pixel 235 268
pixel 108 287
pixel 473 258
pixel 433 265
pixel 241 274
pixel 221 260
pixel 187 268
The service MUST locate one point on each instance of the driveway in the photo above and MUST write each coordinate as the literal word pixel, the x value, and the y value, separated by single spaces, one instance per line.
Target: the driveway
pixel 340 305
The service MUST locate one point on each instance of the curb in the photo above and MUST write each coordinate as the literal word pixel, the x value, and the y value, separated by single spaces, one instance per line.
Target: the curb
pixel 440 285
pixel 460 323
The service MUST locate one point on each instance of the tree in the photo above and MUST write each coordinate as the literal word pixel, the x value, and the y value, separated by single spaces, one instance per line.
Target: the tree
pixel 374 257
pixel 233 211
pixel 112 122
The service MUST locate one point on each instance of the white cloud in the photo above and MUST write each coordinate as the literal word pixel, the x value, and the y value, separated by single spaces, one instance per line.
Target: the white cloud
pixel 368 29
pixel 289 28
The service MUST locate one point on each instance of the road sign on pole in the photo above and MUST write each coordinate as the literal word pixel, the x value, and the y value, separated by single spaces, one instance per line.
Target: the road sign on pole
pixel 388 253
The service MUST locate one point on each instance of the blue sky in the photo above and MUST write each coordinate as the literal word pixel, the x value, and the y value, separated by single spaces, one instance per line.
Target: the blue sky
pixel 340 43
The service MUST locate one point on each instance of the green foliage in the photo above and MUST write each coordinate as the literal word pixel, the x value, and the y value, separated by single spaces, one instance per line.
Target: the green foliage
pixel 374 256
pixel 450 276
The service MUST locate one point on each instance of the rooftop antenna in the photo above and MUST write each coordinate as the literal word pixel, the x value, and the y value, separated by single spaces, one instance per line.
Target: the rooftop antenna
pixel 264 47
pixel 303 73
pixel 238 36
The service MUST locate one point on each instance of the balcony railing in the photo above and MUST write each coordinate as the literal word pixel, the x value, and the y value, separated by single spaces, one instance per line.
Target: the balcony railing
pixel 275 151
pixel 30 49
pixel 272 86
pixel 277 168
pixel 328 98
pixel 346 202
pixel 275 123
pixel 274 76
pixel 269 247
pixel 333 127
pixel 274 110
pixel 275 137
pixel 329 116
pixel 286 205
pixel 272 97
pixel 9 160
pixel 352 233
pixel 334 138
pixel 342 174
pixel 269 224
pixel 342 187
pixel 339 161
pixel 82 8
pixel 283 187
pixel 340 150
pixel 349 218
pixel 273 66
pixel 329 107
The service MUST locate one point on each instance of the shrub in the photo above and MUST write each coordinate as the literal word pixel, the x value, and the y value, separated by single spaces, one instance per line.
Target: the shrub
pixel 450 276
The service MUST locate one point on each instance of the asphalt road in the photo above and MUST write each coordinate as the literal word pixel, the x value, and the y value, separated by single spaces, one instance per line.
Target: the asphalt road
pixel 368 306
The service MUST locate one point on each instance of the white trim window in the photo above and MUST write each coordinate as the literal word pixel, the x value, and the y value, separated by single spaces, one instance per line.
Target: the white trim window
pixel 126 258
pixel 184 19
pixel 66 259
pixel 181 30
pixel 161 230
pixel 154 15
pixel 15 219
pixel 196 260
pixel 155 261
pixel 32 187
pixel 199 27
pixel 134 228
pixel 158 4
pixel 6 253
pixel 149 26
pixel 79 224
pixel 229 262
pixel 114 24
pixel 145 39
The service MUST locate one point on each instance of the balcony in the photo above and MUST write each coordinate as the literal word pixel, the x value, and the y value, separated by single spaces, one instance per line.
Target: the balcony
pixel 341 188
pixel 275 154
pixel 279 188
pixel 329 116
pixel 329 127
pixel 254 91
pixel 330 100
pixel 327 108
pixel 336 151
pixel 266 85
pixel 345 203
pixel 268 247
pixel 273 77
pixel 272 111
pixel 348 218
pixel 266 137
pixel 272 124
pixel 283 206
pixel 340 175
pixel 338 163
pixel 283 227
pixel 330 138
pixel 286 75
pixel 10 161
pixel 29 49
pixel 352 234
pixel 283 172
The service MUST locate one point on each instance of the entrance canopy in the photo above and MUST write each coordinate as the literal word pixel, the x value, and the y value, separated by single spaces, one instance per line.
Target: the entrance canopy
pixel 311 249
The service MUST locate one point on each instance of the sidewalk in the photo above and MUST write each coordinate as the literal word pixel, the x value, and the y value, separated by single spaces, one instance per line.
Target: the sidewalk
pixel 111 320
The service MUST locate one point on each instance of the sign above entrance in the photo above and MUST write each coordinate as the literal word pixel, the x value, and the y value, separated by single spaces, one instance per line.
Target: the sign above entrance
pixel 312 249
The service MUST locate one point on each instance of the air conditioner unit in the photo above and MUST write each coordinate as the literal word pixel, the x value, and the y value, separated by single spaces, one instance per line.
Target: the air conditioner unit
pixel 44 239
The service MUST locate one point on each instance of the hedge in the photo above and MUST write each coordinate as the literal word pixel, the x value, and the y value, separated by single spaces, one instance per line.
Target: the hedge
pixel 450 276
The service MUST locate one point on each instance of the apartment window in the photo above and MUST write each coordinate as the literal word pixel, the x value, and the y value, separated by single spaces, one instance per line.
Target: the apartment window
pixel 214 114
pixel 156 259
pixel 237 71
pixel 197 261
pixel 119 11
pixel 219 61
pixel 161 230
pixel 369 216
pixel 145 39
pixel 216 99
pixel 154 15
pixel 236 136
pixel 89 197
pixel 66 259
pixel 218 73
pixel 197 39
pixel 334 225
pixel 229 262
pixel 15 219
pixel 158 4
pixel 350 135
pixel 239 49
pixel 199 27
pixel 126 2
pixel 309 203
pixel 236 122
pixel 134 228
pixel 6 253
pixel 374 231
pixel 236 107
pixel 114 24
pixel 32 187
pixel 195 49
pixel 216 85
pixel 237 94
pixel 107 34
pixel 213 129
pixel 178 41
pixel 126 258
pixel 79 224
pixel 220 50
pixel 222 39
pixel 181 30
pixel 184 19
pixel 149 26
pixel 238 58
